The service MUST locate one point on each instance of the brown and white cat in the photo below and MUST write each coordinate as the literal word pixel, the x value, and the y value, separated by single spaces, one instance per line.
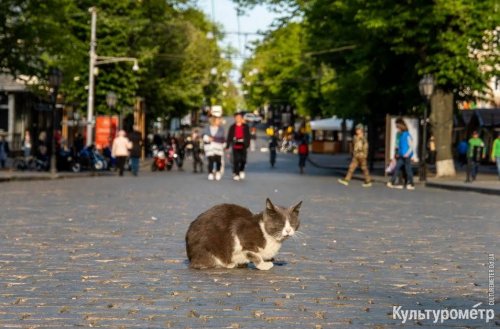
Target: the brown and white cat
pixel 229 235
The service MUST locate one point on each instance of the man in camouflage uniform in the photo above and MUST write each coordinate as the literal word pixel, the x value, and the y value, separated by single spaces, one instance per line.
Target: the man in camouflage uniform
pixel 359 156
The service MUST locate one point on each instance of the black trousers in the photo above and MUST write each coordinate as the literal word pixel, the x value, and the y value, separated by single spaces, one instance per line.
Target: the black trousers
pixel 214 160
pixel 197 161
pixel 472 169
pixel 120 163
pixel 302 160
pixel 239 160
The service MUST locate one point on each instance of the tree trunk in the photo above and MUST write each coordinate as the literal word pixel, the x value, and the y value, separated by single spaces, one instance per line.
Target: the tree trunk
pixel 442 128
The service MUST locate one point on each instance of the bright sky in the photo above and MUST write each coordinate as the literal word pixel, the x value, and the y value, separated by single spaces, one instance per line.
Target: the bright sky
pixel 224 13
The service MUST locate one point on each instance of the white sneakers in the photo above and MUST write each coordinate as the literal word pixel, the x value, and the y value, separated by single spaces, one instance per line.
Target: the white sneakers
pixel 217 176
pixel 409 187
pixel 241 176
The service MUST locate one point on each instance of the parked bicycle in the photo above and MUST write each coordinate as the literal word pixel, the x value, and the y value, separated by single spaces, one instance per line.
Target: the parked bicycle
pixel 30 163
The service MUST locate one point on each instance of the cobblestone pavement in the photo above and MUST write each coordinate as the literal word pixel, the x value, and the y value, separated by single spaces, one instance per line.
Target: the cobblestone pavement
pixel 109 252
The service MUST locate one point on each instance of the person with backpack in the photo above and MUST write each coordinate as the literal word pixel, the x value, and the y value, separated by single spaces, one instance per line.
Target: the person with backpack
pixel 476 152
pixel 359 158
pixel 405 154
pixel 303 153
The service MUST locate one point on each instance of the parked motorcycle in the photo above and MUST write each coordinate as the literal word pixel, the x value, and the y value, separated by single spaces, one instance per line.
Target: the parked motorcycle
pixel 89 158
pixel 31 163
pixel 159 159
pixel 41 163
pixel 66 161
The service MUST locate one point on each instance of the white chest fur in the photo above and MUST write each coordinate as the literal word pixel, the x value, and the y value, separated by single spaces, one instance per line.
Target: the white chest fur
pixel 272 246
pixel 269 251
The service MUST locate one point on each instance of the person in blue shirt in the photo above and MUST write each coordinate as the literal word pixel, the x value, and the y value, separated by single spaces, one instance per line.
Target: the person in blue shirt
pixel 462 148
pixel 404 156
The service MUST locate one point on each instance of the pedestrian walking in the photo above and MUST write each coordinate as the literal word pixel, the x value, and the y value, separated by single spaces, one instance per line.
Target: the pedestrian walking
pixel 476 152
pixel 253 138
pixel 177 146
pixel 214 139
pixel 135 138
pixel 462 149
pixel 303 151
pixel 195 145
pixel 238 139
pixel 405 154
pixel 359 158
pixel 4 149
pixel 273 148
pixel 495 153
pixel 120 150
pixel 432 150
pixel 26 144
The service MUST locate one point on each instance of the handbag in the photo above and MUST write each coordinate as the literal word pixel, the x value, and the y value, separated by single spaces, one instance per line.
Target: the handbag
pixel 391 166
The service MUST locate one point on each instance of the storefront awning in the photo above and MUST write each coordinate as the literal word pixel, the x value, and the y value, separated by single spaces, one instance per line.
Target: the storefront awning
pixel 333 123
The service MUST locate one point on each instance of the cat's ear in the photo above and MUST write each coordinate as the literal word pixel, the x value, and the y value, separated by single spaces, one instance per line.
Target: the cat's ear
pixel 269 204
pixel 296 208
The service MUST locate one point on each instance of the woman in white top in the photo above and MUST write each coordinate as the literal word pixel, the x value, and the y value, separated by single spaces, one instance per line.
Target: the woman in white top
pixel 120 150
pixel 214 138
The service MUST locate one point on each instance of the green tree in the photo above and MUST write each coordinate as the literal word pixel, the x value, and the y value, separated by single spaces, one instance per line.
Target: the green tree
pixel 277 73
pixel 380 49
pixel 169 37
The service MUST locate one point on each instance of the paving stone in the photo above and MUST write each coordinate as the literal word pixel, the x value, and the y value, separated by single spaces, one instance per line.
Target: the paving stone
pixel 109 252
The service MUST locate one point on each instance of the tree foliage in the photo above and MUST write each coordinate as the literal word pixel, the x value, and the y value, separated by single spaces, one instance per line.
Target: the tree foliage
pixel 168 37
pixel 277 74
pixel 379 49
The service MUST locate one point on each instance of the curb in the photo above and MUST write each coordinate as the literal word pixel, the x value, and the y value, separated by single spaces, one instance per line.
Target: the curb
pixel 341 171
pixel 476 189
pixel 63 175
pixel 21 178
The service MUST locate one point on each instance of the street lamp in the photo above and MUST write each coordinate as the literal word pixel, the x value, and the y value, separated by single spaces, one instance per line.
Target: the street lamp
pixel 111 100
pixel 55 80
pixel 426 88
pixel 93 62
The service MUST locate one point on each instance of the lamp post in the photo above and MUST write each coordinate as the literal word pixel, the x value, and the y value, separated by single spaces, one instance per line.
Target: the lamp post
pixel 426 88
pixel 93 62
pixel 55 80
pixel 111 99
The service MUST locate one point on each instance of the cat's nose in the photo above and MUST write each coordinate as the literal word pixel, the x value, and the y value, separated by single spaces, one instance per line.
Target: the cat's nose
pixel 289 231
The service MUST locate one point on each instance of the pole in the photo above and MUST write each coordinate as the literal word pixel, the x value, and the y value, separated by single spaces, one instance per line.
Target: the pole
pixel 90 102
pixel 53 158
pixel 423 172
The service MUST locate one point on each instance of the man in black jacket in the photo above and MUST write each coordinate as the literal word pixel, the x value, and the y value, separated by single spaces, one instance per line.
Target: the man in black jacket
pixel 238 138
pixel 135 139
pixel 4 149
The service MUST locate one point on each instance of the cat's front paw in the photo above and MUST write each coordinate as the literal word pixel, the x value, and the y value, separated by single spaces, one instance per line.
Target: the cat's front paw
pixel 264 266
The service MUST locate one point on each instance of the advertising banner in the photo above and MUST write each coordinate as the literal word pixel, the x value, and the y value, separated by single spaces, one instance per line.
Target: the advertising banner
pixel 106 128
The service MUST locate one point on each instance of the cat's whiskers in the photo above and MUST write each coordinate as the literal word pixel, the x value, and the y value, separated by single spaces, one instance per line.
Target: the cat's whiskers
pixel 299 236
